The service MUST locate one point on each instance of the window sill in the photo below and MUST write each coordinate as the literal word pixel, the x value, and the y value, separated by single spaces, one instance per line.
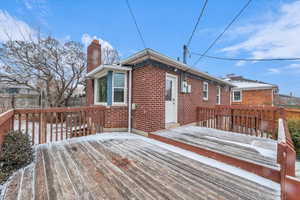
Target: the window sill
pixel 119 104
pixel 113 105
pixel 100 104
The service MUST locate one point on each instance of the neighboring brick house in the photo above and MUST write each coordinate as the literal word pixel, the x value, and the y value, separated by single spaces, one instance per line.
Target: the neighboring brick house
pixel 251 92
pixel 287 100
pixel 161 92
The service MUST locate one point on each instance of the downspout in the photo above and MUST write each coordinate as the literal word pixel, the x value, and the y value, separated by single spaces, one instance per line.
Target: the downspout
pixel 129 100
pixel 230 96
pixel 272 97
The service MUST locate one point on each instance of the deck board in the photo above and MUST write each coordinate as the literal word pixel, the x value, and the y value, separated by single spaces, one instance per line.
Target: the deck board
pixel 126 168
pixel 258 150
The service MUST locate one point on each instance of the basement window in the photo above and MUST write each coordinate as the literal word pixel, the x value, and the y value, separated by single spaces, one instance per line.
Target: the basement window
pixel 237 96
pixel 205 91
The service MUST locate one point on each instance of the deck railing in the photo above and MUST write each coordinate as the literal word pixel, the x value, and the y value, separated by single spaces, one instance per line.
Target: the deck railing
pixel 53 124
pixel 252 120
pixel 6 121
pixel 286 156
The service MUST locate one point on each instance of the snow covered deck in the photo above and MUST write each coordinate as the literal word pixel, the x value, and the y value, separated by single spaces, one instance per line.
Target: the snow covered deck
pixel 261 151
pixel 127 166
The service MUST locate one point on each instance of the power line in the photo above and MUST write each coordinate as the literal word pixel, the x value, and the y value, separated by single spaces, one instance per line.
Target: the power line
pixel 247 59
pixel 226 28
pixel 196 25
pixel 136 25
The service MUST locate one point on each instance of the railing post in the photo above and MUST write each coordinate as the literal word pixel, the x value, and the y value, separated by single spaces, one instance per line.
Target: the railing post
pixel 281 113
pixel 232 119
pixel 198 117
pixel 283 173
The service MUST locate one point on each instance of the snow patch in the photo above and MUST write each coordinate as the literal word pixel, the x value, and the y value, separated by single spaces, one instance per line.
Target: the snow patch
pixel 262 151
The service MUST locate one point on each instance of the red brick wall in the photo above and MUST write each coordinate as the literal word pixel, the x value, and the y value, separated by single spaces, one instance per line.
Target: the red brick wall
pixel 256 97
pixel 189 102
pixel 116 117
pixel 148 96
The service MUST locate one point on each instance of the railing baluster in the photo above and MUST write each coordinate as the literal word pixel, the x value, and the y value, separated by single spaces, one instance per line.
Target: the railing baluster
pixel 61 125
pixel 67 125
pixel 20 121
pixel 51 127
pixel 40 130
pixel 33 128
pixel 56 126
pixel 80 123
pixel 71 125
pixel 26 123
pixel 84 123
pixel 75 125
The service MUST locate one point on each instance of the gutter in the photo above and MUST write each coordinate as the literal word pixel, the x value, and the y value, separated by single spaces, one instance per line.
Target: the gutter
pixel 149 53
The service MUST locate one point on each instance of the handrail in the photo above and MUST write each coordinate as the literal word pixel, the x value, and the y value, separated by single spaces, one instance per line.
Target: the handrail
pixel 53 124
pixel 260 121
pixel 286 157
pixel 57 109
pixel 281 131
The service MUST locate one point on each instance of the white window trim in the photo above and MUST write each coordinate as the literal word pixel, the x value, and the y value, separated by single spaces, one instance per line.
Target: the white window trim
pixel 205 98
pixel 219 92
pixel 125 89
pixel 96 92
pixel 241 95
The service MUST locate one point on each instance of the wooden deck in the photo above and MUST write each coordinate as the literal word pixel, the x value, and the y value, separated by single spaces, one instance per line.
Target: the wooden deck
pixel 257 150
pixel 108 166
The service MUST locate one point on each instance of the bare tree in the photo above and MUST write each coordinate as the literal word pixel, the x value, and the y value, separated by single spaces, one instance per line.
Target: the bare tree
pixel 44 65
pixel 110 56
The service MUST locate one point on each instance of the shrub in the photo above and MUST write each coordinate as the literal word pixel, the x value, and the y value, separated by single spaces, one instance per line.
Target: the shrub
pixel 16 153
pixel 294 128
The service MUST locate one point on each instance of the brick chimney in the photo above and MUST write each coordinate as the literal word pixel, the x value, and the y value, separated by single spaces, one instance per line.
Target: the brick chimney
pixel 93 61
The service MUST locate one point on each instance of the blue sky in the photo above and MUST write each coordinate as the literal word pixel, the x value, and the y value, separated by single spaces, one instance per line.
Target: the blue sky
pixel 267 29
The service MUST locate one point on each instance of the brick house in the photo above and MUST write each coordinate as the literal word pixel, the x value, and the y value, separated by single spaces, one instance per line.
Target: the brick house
pixel 287 100
pixel 153 91
pixel 251 92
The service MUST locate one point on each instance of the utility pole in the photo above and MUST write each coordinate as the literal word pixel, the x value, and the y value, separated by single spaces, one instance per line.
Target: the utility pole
pixel 185 52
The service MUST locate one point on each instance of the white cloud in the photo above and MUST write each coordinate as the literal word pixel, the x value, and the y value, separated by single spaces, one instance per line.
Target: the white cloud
pixel 86 39
pixel 38 8
pixel 27 4
pixel 240 63
pixel 290 69
pixel 274 70
pixel 294 67
pixel 15 29
pixel 278 37
pixel 35 4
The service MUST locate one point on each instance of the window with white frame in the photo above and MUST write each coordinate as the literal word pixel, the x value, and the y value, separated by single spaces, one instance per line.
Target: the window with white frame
pixel 205 91
pixel 218 95
pixel 101 90
pixel 119 86
pixel 237 96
